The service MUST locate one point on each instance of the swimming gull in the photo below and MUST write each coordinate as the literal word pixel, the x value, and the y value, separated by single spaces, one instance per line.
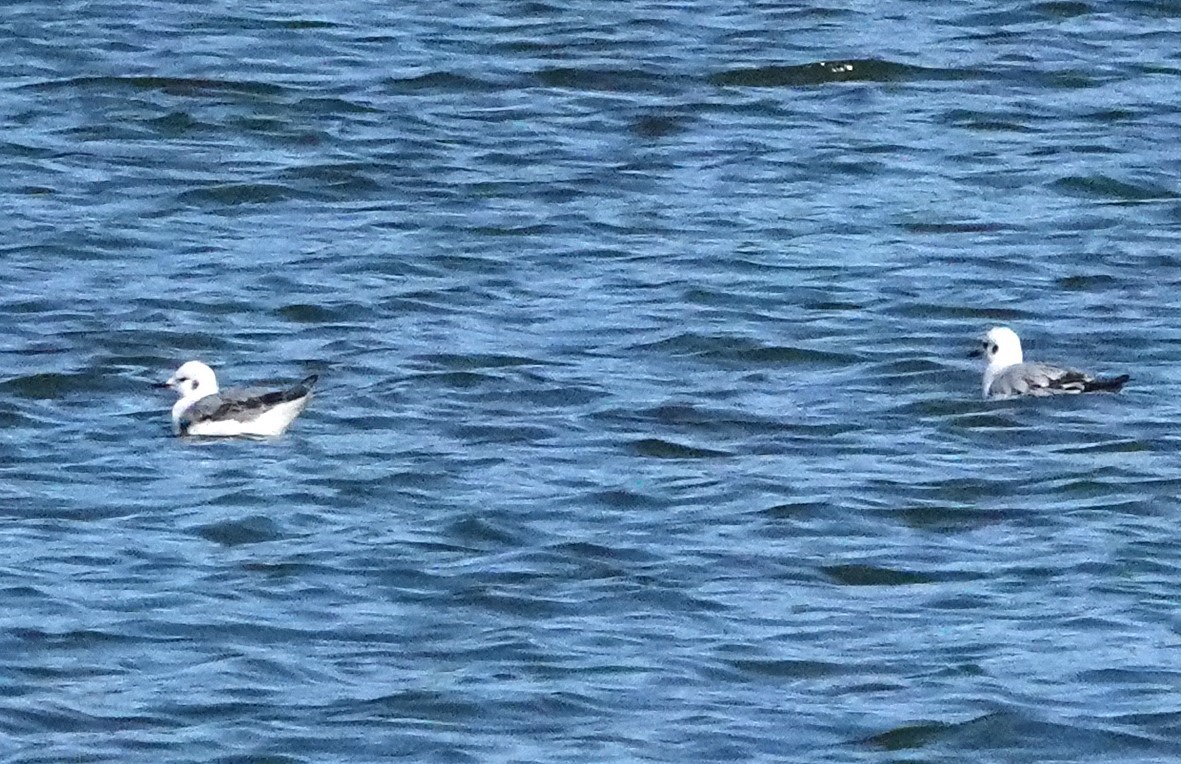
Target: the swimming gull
pixel 1007 375
pixel 205 409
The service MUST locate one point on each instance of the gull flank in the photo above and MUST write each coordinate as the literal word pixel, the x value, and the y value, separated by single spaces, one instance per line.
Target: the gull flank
pixel 205 409
pixel 1007 375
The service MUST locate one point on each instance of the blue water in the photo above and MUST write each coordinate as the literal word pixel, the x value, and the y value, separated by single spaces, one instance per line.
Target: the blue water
pixel 644 431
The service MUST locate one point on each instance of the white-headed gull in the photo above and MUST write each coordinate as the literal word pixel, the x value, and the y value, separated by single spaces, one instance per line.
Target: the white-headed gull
pixel 205 409
pixel 1007 375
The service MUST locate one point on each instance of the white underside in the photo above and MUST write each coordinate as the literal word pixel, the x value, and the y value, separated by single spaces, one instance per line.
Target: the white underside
pixel 270 423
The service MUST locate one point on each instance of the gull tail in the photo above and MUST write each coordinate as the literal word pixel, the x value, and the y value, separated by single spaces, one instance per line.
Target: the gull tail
pixel 305 387
pixel 294 392
pixel 1106 385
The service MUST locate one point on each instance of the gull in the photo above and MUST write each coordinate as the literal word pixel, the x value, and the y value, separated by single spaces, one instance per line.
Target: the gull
pixel 1007 375
pixel 205 409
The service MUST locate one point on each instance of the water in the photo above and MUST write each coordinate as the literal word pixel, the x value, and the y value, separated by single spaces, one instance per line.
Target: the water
pixel 644 430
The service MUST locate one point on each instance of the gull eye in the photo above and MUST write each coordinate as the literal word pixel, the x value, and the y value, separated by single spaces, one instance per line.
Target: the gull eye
pixel 992 350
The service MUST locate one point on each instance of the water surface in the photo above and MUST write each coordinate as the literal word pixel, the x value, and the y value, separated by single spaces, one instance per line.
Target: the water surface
pixel 644 430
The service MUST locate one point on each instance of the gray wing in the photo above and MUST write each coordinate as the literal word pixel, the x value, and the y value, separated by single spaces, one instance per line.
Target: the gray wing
pixel 244 405
pixel 1038 379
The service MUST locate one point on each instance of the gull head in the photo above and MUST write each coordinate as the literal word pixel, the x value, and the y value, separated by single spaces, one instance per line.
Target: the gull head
pixel 1000 347
pixel 193 380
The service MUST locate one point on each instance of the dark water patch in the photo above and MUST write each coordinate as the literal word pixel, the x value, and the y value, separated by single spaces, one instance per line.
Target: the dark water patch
pixel 312 314
pixel 240 194
pixel 657 596
pixel 827 72
pixel 66 719
pixel 1087 283
pixel 459 380
pixel 47 386
pixel 265 127
pixel 1111 504
pixel 1008 731
pixel 992 421
pixel 786 669
pixel 1132 677
pixel 968 491
pixel 279 570
pixel 908 737
pixel 175 124
pixel 875 575
pixel 745 350
pixel 347 180
pixel 701 417
pixel 480 361
pixel 1113 115
pixel 958 602
pixel 909 367
pixel 69 640
pixel 505 434
pixel 622 499
pixel 304 24
pixel 335 106
pixel 14 150
pixel 108 134
pixel 603 80
pixel 785 355
pixel 942 407
pixel 552 708
pixel 562 396
pixel 1080 148
pixel 1063 10
pixel 992 122
pixel 1053 80
pixel 510 231
pixel 499 601
pixel 356 487
pixel 1109 189
pixel 795 510
pixel 713 297
pixel 949 518
pixel 451 262
pixel 953 228
pixel 817 431
pixel 982 313
pixel 655 126
pixel 832 306
pixel 481 532
pixel 434 83
pixel 253 529
pixel 177 86
pixel 11 416
pixel 405 706
pixel 35 306
pixel 1072 490
pixel 659 448
pixel 593 552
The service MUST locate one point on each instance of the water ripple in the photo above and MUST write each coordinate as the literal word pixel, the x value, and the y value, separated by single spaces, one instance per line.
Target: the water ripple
pixel 645 430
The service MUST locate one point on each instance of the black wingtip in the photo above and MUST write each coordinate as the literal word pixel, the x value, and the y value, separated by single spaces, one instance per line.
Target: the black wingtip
pixel 295 392
pixel 1108 385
